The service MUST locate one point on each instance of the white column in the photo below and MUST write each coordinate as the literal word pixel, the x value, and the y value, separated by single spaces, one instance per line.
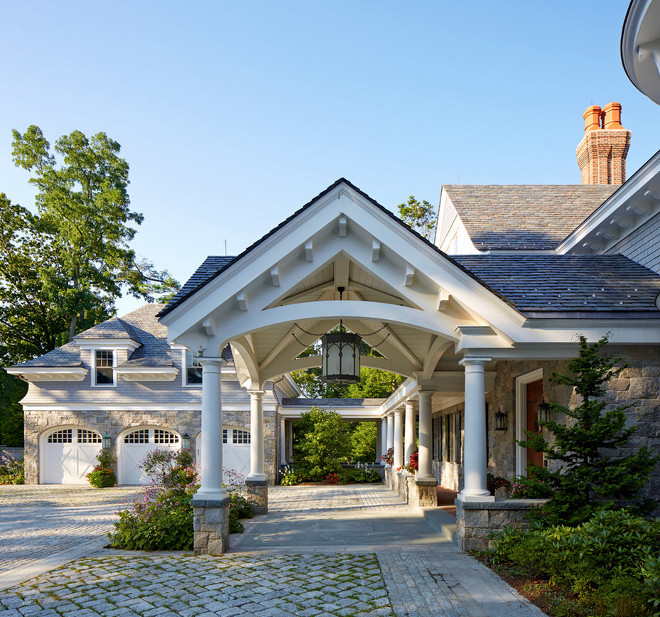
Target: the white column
pixel 474 441
pixel 409 432
pixel 398 439
pixel 390 430
pixel 256 435
pixel 282 441
pixel 379 442
pixel 384 436
pixel 211 438
pixel 289 441
pixel 425 472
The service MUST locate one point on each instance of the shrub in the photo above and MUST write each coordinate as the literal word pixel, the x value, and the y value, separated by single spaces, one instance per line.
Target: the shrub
pixel 289 477
pixel 611 562
pixel 529 488
pixel 363 442
pixel 239 507
pixel 102 475
pixel 11 471
pixel 388 458
pixel 359 475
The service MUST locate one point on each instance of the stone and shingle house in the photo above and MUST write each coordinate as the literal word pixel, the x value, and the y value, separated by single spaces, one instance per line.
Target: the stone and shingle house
pixel 476 320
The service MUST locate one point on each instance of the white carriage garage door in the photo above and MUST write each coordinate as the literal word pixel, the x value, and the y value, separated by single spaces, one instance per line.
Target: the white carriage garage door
pixel 136 445
pixel 69 454
pixel 235 450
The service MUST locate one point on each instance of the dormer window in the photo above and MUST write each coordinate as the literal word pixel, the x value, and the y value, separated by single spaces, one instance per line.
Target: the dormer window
pixel 104 373
pixel 193 370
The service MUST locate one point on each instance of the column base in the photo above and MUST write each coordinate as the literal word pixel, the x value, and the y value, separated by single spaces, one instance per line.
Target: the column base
pixel 424 492
pixel 210 525
pixel 486 497
pixel 257 494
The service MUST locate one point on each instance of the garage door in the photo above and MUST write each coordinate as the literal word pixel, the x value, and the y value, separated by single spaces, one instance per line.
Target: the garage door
pixel 69 454
pixel 235 450
pixel 136 445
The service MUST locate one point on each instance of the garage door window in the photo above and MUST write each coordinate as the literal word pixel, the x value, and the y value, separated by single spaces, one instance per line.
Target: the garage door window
pixel 161 436
pixel 139 436
pixel 85 436
pixel 65 436
pixel 241 437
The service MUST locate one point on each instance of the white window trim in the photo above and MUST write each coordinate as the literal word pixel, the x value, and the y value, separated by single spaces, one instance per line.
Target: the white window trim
pixel 184 371
pixel 114 370
pixel 521 417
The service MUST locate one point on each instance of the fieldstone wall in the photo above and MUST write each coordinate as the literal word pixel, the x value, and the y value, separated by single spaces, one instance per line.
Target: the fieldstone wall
pixel 211 527
pixel 114 422
pixel 475 520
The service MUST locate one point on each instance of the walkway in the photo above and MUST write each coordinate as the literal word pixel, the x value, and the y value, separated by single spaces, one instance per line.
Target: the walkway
pixel 322 551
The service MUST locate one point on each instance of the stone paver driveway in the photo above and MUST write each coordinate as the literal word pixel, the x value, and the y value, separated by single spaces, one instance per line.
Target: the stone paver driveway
pixel 322 551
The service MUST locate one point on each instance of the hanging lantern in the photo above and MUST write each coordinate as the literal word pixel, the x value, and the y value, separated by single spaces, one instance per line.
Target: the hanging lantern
pixel 543 412
pixel 500 421
pixel 341 354
pixel 185 441
pixel 106 442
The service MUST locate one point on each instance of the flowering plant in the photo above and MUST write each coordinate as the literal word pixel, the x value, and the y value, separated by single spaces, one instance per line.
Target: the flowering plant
pixel 332 478
pixel 102 475
pixel 529 488
pixel 413 463
pixel 388 458
pixel 494 482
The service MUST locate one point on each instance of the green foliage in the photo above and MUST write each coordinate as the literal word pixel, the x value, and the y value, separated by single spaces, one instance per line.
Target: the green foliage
pixel 363 442
pixel 494 482
pixel 62 267
pixel 12 390
pixel 360 475
pixel 589 476
pixel 420 216
pixel 239 507
pixel 321 443
pixel 530 487
pixel 601 562
pixel 11 471
pixel 374 383
pixel 101 477
pixel 290 477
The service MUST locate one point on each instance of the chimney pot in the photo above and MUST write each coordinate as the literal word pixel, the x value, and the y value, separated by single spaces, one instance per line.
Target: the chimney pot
pixel 592 118
pixel 612 116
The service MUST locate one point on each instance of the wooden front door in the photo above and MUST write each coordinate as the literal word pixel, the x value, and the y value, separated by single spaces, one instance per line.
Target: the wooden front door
pixel 534 397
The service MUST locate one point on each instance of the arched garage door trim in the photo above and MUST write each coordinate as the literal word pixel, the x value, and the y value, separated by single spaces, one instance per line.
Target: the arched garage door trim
pixel 67 453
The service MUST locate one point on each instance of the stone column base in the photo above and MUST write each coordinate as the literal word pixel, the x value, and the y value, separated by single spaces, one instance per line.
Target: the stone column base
pixel 257 495
pixel 423 493
pixel 211 526
pixel 475 520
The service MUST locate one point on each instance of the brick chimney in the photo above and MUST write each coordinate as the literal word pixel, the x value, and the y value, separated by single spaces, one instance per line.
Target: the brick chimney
pixel 602 152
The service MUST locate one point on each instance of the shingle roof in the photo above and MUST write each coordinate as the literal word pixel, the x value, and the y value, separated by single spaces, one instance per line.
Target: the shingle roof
pixel 569 283
pixel 67 355
pixel 533 216
pixel 332 402
pixel 204 273
pixel 111 328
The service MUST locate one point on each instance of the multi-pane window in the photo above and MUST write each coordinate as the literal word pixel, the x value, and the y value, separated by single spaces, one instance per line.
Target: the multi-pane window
pixel 85 436
pixel 193 369
pixel 63 436
pixel 162 436
pixel 241 437
pixel 452 437
pixel 224 435
pixel 103 363
pixel 139 436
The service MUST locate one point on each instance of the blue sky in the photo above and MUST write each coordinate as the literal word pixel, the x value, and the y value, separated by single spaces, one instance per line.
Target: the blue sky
pixel 232 115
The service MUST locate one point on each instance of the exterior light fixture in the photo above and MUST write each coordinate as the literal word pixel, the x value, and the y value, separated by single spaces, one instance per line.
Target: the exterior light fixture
pixel 106 442
pixel 185 441
pixel 340 354
pixel 500 421
pixel 543 412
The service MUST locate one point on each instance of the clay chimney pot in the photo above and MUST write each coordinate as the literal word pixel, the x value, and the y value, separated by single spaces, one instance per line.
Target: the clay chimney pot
pixel 612 116
pixel 592 118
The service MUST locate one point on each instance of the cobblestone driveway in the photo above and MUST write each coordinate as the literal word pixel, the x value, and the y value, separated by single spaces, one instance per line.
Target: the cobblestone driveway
pixel 416 574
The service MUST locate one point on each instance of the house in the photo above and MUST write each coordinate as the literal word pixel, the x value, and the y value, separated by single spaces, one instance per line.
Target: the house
pixel 477 321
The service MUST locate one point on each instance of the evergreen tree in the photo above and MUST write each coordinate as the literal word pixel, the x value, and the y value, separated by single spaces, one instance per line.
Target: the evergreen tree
pixel 589 475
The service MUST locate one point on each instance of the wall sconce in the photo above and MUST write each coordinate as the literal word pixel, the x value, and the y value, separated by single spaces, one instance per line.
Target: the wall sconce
pixel 500 421
pixel 543 412
pixel 185 441
pixel 107 442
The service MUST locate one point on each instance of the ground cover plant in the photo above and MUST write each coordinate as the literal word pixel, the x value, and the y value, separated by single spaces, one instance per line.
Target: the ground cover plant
pixel 161 516
pixel 608 566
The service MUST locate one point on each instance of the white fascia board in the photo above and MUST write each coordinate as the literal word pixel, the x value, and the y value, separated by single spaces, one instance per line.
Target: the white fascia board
pixel 347 413
pixel 129 406
pixel 646 178
pixel 107 343
pixel 49 373
pixel 407 389
pixel 147 373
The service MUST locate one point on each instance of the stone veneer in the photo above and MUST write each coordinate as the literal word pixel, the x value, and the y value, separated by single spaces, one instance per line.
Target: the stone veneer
pixel 415 494
pixel 114 422
pixel 211 526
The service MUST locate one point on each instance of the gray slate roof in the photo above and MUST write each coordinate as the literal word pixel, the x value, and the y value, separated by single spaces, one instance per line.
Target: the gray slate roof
pixel 569 283
pixel 211 265
pixel 518 217
pixel 113 328
pixel 332 402
pixel 66 356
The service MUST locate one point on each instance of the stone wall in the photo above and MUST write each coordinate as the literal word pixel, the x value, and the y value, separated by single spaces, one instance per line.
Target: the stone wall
pixel 114 422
